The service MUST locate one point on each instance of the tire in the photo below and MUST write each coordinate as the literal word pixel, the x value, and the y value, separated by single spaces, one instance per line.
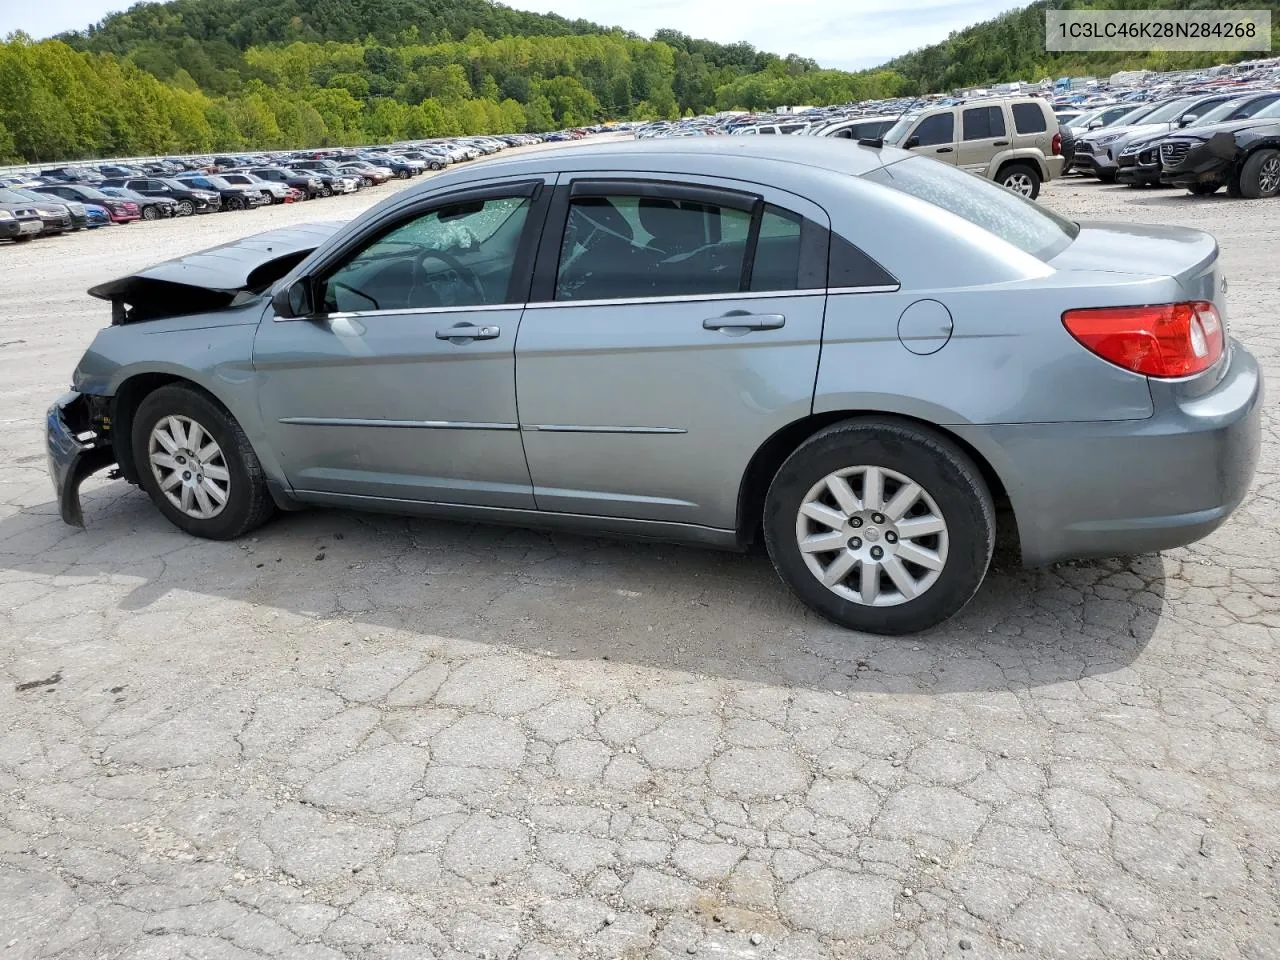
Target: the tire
pixel 247 502
pixel 1021 178
pixel 185 208
pixel 437 165
pixel 1260 175
pixel 951 489
pixel 1204 189
pixel 326 190
pixel 233 203
pixel 1233 185
pixel 1107 176
pixel 150 213
pixel 366 182
pixel 403 174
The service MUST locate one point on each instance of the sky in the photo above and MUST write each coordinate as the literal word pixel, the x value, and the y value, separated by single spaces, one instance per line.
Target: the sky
pixel 849 34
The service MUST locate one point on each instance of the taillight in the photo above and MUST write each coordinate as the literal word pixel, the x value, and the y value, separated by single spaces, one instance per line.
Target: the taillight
pixel 1164 340
pixel 1057 144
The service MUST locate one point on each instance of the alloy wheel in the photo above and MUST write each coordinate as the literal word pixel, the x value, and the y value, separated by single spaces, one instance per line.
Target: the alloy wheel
pixel 872 536
pixel 189 467
pixel 1269 176
pixel 1019 183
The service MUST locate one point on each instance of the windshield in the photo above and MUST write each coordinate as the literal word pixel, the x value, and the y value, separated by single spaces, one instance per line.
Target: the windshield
pixel 1168 112
pixel 1272 110
pixel 1011 217
pixel 1133 116
pixel 9 196
pixel 1220 112
pixel 899 130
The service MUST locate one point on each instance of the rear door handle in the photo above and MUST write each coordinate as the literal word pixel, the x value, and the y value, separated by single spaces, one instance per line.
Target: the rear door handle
pixel 1001 143
pixel 468 331
pixel 742 322
pixel 943 150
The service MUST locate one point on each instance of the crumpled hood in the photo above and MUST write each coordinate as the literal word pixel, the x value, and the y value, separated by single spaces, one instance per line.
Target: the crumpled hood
pixel 215 278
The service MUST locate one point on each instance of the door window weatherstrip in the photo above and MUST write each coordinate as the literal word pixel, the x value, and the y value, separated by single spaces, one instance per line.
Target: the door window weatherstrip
pixel 700 298
pixel 411 311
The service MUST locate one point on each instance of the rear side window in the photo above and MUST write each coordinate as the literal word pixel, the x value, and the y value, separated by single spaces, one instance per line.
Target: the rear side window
pixel 1014 219
pixel 939 128
pixel 1029 118
pixel 983 123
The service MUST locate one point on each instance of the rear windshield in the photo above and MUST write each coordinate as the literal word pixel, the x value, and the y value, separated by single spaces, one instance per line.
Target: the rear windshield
pixel 1014 219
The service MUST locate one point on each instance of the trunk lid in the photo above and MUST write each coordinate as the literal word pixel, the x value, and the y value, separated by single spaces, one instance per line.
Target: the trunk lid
pixel 1144 250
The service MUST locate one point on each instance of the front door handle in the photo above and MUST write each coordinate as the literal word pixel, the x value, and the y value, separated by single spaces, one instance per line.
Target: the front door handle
pixel 943 150
pixel 468 331
pixel 1000 143
pixel 741 322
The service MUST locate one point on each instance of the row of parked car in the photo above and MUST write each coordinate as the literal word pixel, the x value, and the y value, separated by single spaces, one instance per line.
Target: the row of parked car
pixel 79 196
pixel 1202 141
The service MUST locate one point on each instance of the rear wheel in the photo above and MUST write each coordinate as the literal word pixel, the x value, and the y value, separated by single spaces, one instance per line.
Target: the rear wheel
pixel 880 526
pixel 1260 175
pixel 403 174
pixel 197 465
pixel 1021 178
pixel 150 213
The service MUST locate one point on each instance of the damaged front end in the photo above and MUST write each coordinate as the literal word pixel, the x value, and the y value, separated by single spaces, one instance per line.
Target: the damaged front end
pixel 78 434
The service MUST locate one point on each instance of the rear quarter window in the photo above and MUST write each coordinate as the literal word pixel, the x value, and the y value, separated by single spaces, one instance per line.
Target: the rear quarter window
pixel 1029 118
pixel 1018 221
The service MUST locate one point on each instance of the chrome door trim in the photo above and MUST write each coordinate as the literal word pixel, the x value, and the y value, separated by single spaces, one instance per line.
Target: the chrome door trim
pixel 585 428
pixel 702 298
pixel 398 424
pixel 410 311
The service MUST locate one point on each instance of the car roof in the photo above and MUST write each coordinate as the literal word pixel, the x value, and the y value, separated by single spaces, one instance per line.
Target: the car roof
pixel 699 155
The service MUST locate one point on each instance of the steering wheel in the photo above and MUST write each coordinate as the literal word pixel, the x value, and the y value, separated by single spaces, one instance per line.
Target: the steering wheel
pixel 460 272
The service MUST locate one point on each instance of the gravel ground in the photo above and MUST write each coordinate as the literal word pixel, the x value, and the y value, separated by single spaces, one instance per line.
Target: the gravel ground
pixel 363 736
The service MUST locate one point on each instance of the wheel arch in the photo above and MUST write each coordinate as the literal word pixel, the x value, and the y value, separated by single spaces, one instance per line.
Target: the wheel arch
pixel 766 461
pixel 1024 160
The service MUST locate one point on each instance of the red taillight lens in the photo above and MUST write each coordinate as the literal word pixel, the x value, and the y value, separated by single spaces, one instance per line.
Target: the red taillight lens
pixel 1164 340
pixel 1057 144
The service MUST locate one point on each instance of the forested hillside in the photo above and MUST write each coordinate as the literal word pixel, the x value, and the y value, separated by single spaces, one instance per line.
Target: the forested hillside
pixel 1011 47
pixel 204 75
pixel 198 75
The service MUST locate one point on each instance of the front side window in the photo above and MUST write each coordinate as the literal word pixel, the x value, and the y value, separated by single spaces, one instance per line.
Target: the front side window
pixel 625 247
pixel 1009 216
pixel 935 130
pixel 458 255
pixel 983 123
pixel 1029 118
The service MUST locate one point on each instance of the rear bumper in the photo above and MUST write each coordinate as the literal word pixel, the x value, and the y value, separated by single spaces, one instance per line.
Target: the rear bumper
pixel 1118 488
pixel 74 451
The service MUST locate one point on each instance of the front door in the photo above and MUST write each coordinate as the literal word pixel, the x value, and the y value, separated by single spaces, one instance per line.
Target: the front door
pixel 935 136
pixel 672 330
pixel 982 136
pixel 402 386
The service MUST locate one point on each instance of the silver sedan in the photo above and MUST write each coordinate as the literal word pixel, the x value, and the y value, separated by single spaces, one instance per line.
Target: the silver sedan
pixel 869 360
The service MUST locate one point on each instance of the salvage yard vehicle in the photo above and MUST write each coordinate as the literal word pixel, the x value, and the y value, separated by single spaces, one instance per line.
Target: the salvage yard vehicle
pixel 1243 155
pixel 19 220
pixel 187 199
pixel 120 210
pixel 1015 142
pixel 715 341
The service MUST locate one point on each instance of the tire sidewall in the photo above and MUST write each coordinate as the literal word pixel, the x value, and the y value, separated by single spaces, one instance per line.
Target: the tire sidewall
pixel 1251 172
pixel 1027 171
pixel 951 479
pixel 180 401
pixel 186 208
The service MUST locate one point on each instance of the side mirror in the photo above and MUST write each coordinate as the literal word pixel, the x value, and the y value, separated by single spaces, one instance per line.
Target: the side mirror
pixel 1096 125
pixel 911 142
pixel 293 301
pixel 1186 118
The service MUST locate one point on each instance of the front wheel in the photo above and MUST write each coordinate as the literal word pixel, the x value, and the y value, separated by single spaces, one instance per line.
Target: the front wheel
pixel 880 526
pixel 197 465
pixel 437 165
pixel 233 203
pixel 1260 175
pixel 326 190
pixel 185 208
pixel 1022 179
pixel 403 174
pixel 150 213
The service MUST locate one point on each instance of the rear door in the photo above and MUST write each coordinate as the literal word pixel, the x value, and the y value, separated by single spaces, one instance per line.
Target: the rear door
pixel 982 136
pixel 673 328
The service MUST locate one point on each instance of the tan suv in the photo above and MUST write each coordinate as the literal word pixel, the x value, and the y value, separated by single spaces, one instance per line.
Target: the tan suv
pixel 1013 141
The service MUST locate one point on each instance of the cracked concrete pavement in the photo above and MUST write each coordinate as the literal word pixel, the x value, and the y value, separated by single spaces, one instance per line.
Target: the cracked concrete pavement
pixel 452 741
